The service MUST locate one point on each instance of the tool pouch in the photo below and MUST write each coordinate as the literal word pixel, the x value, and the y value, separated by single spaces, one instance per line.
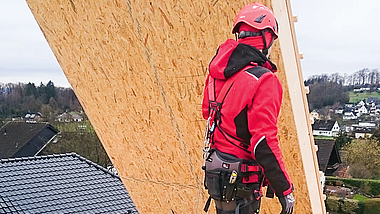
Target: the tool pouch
pixel 222 175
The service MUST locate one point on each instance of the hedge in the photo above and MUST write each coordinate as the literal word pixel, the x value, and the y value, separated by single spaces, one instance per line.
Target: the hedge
pixel 372 206
pixel 365 185
pixel 333 204
pixel 351 206
pixel 346 206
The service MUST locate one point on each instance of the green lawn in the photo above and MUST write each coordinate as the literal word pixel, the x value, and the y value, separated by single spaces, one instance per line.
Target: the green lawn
pixel 357 97
pixel 323 137
pixel 360 197
pixel 74 126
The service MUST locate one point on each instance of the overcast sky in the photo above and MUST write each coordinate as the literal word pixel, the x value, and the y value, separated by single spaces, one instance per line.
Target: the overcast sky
pixel 334 35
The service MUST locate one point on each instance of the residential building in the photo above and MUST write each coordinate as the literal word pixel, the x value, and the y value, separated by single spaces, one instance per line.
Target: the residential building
pixel 33 117
pixel 373 100
pixel 328 156
pixel 339 111
pixel 20 139
pixel 361 103
pixel 66 183
pixel 349 116
pixel 70 117
pixel 314 115
pixel 364 129
pixel 362 110
pixel 363 132
pixel 328 128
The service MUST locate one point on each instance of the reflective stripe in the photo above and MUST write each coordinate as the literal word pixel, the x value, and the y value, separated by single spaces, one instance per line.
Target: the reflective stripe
pixel 252 75
pixel 258 142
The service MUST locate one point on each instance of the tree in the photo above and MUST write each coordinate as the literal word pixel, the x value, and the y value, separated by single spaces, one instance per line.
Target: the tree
pixel 18 99
pixel 376 135
pixel 342 139
pixel 48 113
pixel 51 91
pixel 365 153
pixel 326 93
pixel 31 90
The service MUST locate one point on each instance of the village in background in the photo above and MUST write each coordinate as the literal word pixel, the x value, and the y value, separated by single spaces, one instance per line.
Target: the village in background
pixel 26 107
pixel 345 117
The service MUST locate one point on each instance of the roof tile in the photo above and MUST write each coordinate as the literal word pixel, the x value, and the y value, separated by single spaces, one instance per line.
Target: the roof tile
pixel 65 183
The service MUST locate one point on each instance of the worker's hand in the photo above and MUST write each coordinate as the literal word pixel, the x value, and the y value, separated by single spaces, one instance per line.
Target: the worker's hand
pixel 287 203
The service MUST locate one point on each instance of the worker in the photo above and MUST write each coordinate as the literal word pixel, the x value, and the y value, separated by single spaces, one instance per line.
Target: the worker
pixel 242 100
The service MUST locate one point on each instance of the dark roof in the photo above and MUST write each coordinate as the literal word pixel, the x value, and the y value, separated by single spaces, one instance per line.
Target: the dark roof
pixel 15 135
pixel 372 99
pixel 325 149
pixel 367 130
pixel 323 125
pixel 66 183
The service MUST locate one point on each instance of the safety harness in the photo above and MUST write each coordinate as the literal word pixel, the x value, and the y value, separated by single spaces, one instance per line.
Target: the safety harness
pixel 214 119
pixel 227 177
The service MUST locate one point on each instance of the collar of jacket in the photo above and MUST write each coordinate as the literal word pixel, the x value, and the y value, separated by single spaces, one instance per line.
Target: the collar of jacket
pixel 232 57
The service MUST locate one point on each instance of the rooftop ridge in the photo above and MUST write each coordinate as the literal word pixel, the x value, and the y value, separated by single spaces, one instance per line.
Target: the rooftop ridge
pixel 36 157
pixel 95 165
pixel 71 154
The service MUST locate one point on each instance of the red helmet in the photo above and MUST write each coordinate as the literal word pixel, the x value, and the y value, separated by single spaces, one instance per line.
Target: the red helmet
pixel 257 16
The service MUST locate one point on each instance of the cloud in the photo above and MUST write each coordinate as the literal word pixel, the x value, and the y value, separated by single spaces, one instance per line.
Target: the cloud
pixel 337 36
pixel 25 55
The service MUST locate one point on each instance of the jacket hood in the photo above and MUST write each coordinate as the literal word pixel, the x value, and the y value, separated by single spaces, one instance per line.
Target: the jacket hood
pixel 232 57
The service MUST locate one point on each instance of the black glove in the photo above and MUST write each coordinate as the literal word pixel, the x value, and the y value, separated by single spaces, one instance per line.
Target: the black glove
pixel 287 203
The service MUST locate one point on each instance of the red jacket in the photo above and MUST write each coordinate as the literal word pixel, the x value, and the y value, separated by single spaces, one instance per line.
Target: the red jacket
pixel 249 113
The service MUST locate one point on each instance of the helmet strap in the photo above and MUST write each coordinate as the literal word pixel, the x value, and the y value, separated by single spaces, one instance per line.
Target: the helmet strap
pixel 265 49
pixel 245 34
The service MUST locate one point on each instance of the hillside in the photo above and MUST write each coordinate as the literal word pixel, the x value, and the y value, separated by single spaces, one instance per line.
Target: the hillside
pixel 357 97
pixel 362 77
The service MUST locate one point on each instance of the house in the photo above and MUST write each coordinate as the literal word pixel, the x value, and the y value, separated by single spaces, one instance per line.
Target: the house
pixel 66 183
pixel 348 105
pixel 372 100
pixel 19 139
pixel 362 110
pixel 377 110
pixel 76 117
pixel 364 129
pixel 33 117
pixel 349 116
pixel 314 115
pixel 361 103
pixel 68 117
pixel 65 117
pixel 346 128
pixel 363 132
pixel 339 111
pixel 328 156
pixel 328 128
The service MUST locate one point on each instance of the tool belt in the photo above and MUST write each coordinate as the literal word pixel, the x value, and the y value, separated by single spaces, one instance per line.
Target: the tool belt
pixel 228 178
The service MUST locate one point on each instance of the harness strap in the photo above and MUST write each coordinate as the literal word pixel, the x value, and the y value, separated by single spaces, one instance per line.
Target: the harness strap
pixel 207 205
pixel 243 204
pixel 216 103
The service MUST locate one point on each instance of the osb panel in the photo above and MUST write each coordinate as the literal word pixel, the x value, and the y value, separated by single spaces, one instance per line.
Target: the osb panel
pixel 138 69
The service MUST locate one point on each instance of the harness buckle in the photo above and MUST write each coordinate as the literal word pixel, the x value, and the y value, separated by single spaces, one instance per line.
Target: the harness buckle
pixel 213 105
pixel 257 194
pixel 206 143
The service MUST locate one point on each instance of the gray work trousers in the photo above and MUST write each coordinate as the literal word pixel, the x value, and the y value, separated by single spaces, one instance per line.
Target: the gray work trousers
pixel 247 206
